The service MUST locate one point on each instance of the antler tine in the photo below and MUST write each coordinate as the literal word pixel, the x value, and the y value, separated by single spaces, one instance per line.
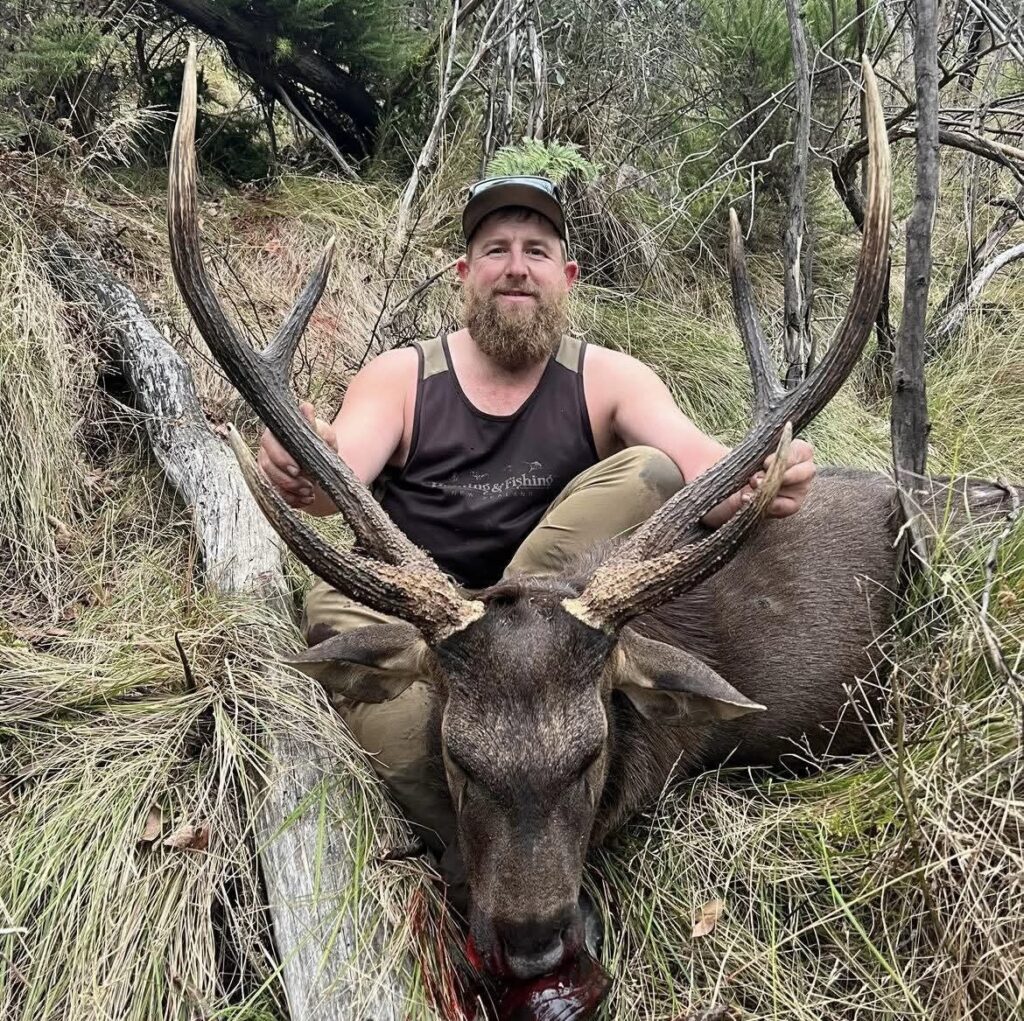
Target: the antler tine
pixel 768 391
pixel 617 593
pixel 278 354
pixel 429 601
pixel 773 405
pixel 263 379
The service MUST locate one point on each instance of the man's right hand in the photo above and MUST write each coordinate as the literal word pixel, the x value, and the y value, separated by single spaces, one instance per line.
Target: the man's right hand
pixel 298 490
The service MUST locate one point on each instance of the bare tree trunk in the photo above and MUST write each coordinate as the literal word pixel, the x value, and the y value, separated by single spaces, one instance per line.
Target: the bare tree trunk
pixel 909 400
pixel 508 107
pixel 538 104
pixel 797 339
pixel 308 872
pixel 490 136
pixel 240 547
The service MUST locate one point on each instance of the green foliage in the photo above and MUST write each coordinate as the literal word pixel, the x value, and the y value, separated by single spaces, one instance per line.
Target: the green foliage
pixel 746 46
pixel 554 160
pixel 370 37
pixel 748 41
pixel 231 144
pixel 56 75
pixel 53 55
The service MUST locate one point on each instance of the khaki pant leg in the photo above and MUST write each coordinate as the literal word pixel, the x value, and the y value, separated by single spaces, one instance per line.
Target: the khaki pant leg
pixel 394 733
pixel 607 500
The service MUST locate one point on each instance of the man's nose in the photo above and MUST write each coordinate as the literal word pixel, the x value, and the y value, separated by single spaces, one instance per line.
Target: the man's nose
pixel 515 265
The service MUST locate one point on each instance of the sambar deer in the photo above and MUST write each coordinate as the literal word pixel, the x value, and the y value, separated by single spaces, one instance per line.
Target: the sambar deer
pixel 562 705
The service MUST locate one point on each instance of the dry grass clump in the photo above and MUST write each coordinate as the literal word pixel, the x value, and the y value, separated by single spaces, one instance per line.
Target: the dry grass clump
pixel 41 404
pixel 130 793
pixel 976 389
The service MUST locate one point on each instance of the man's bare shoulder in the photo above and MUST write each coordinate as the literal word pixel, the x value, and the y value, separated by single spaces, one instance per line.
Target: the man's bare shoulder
pixel 604 368
pixel 391 373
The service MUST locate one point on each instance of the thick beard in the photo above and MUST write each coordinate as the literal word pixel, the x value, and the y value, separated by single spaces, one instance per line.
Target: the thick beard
pixel 515 337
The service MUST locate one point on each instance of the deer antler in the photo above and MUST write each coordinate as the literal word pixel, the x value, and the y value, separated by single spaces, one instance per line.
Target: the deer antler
pixel 629 581
pixel 424 598
pixel 402 580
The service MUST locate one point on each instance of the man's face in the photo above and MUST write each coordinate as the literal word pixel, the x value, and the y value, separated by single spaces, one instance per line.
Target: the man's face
pixel 515 285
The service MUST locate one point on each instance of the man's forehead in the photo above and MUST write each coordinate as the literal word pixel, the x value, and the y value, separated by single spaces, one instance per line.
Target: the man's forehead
pixel 502 226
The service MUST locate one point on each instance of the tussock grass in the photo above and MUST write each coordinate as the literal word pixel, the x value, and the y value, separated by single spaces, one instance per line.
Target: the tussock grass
pixel 41 404
pixel 832 881
pixel 976 389
pixel 102 735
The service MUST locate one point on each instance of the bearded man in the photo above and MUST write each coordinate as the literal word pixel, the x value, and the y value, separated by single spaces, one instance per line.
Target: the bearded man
pixel 507 447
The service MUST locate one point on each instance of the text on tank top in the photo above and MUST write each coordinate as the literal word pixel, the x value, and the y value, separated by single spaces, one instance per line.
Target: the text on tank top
pixel 474 485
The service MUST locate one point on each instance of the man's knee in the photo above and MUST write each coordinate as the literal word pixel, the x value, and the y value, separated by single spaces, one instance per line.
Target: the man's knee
pixel 607 501
pixel 651 468
pixel 327 612
pixel 404 753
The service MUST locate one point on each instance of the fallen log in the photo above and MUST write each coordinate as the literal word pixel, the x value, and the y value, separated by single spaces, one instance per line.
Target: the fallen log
pixel 307 866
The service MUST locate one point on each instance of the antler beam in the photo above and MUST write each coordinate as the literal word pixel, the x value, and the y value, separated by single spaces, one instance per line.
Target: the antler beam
pixel 433 604
pixel 619 592
pixel 263 379
pixel 401 579
pixel 773 405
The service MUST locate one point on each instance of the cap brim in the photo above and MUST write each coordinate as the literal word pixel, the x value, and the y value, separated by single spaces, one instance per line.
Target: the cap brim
pixel 511 194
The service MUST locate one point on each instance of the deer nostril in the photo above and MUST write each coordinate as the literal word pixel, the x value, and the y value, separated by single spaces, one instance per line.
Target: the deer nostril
pixel 533 952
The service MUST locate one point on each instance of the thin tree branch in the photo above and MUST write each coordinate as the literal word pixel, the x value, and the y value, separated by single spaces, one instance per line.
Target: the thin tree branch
pixel 909 425
pixel 796 336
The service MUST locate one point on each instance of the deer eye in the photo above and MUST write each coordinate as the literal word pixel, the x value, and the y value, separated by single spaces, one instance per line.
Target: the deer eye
pixel 589 761
pixel 460 781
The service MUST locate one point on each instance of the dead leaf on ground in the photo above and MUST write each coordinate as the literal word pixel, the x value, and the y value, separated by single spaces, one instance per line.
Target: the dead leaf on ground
pixel 707 917
pixel 190 837
pixel 61 531
pixel 154 823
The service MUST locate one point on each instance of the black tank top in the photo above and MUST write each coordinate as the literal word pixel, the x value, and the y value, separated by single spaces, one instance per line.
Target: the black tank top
pixel 474 485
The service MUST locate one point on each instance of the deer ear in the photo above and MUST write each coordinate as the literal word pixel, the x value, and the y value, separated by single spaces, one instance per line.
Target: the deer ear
pixel 375 663
pixel 666 684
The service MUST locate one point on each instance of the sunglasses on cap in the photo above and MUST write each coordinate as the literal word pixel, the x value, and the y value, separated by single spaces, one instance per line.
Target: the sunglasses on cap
pixel 492 193
pixel 543 183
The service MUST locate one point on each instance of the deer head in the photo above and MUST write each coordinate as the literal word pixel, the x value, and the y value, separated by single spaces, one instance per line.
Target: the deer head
pixel 529 676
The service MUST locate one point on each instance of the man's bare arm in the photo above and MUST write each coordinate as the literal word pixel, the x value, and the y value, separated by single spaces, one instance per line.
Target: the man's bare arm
pixel 367 431
pixel 645 413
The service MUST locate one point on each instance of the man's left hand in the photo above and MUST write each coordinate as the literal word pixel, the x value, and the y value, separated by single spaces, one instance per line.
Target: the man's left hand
pixel 796 482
